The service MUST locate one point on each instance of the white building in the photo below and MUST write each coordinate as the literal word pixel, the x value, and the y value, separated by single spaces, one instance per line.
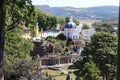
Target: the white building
pixel 71 30
pixel 45 34
pixel 52 32
pixel 26 33
pixel 87 33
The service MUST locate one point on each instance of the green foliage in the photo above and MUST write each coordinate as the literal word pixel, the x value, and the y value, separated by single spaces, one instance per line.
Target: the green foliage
pixel 19 69
pixel 69 41
pixel 61 37
pixel 23 70
pixel 32 20
pixel 86 51
pixel 74 20
pixel 103 27
pixel 47 21
pixel 89 72
pixel 56 39
pixel 51 39
pixel 77 22
pixel 59 46
pixel 19 12
pixel 85 26
pixel 104 51
pixel 67 19
pixel 17 60
pixel 61 20
pixel 16 47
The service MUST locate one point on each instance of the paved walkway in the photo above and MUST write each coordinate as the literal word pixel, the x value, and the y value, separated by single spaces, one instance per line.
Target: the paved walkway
pixel 64 71
pixel 59 67
pixel 56 66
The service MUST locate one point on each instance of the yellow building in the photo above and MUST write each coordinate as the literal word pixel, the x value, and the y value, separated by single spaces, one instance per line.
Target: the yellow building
pixel 36 29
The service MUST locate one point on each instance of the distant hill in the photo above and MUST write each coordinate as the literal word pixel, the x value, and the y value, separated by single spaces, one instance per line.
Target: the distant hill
pixel 100 12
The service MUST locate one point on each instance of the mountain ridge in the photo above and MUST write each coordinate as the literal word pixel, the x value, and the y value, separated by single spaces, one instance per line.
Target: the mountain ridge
pixel 97 12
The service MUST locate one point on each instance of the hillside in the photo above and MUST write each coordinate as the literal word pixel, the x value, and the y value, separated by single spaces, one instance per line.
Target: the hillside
pixel 100 12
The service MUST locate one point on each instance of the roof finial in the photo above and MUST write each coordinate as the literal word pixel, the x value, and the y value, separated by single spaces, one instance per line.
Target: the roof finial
pixel 70 18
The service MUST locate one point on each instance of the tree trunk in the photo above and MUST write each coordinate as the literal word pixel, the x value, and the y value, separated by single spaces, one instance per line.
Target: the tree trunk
pixel 2 32
pixel 118 60
pixel 104 77
pixel 107 76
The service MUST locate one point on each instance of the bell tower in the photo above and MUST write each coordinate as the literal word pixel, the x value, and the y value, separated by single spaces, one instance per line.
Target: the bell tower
pixel 36 29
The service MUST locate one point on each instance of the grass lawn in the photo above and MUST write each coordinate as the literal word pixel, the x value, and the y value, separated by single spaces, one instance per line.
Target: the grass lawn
pixel 57 72
pixel 52 72
pixel 71 70
pixel 68 69
pixel 60 78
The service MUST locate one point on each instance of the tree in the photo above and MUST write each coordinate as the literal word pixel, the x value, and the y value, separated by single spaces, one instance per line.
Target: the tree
pixel 47 21
pixel 20 70
pixel 118 54
pixel 16 51
pixel 61 37
pixel 103 27
pixel 85 26
pixel 2 32
pixel 103 50
pixel 59 46
pixel 16 47
pixel 89 72
pixel 61 20
pixel 18 11
pixel 77 22
pixel 69 41
pixel 74 20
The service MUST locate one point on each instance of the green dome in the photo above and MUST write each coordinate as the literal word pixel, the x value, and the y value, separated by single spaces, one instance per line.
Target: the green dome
pixel 37 25
pixel 70 23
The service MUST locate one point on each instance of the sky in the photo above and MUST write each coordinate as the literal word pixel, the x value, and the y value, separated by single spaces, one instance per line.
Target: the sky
pixel 76 3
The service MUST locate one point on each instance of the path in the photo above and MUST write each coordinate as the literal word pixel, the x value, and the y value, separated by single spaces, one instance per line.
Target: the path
pixel 64 71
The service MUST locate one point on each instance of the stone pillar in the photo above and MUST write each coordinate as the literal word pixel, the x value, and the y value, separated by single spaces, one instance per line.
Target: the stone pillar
pixel 42 62
pixel 67 59
pixel 71 59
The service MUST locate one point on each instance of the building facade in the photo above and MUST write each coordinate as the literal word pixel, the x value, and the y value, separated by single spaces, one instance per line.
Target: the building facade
pixel 71 30
pixel 39 35
pixel 87 33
